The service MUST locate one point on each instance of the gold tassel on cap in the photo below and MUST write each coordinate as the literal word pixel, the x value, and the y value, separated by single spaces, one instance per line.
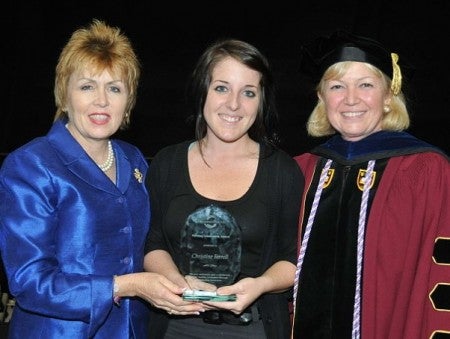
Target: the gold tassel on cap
pixel 396 84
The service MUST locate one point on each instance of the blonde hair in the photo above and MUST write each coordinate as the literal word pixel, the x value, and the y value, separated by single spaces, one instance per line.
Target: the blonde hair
pixel 397 119
pixel 101 47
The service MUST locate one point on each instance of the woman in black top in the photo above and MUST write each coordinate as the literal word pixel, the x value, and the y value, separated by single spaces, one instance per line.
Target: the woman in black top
pixel 233 177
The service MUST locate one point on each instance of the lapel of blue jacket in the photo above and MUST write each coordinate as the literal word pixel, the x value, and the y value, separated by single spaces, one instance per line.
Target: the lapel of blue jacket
pixel 80 164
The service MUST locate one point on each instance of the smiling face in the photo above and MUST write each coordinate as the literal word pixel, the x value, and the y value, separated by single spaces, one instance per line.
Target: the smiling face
pixel 232 100
pixel 96 105
pixel 354 102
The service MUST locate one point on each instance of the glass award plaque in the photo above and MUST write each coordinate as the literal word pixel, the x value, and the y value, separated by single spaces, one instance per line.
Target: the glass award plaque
pixel 196 295
pixel 211 246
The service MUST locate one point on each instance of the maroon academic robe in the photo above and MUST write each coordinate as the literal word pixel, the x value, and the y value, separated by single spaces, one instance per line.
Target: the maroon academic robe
pixel 406 264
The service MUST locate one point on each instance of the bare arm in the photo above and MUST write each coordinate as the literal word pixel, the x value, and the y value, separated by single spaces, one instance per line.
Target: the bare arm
pixel 160 261
pixel 278 278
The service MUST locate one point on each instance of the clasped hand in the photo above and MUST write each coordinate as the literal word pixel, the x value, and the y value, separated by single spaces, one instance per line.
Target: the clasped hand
pixel 246 290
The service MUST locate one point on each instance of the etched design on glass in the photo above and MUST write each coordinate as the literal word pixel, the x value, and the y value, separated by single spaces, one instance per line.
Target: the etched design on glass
pixel 211 246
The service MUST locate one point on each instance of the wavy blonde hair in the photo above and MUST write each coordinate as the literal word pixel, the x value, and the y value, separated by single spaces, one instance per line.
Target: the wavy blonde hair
pixel 397 119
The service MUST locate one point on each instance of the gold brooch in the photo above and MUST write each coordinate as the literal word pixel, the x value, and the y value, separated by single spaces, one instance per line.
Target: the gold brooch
pixel 138 175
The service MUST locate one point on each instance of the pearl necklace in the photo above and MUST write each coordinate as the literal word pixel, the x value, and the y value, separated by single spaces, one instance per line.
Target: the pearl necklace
pixel 110 160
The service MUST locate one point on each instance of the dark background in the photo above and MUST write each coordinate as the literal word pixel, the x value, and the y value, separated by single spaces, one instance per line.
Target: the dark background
pixel 169 37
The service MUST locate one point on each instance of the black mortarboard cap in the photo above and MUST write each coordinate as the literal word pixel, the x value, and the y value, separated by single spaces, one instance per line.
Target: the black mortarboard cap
pixel 325 51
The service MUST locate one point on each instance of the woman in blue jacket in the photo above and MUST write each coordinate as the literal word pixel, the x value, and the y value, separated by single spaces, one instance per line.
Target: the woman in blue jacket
pixel 74 209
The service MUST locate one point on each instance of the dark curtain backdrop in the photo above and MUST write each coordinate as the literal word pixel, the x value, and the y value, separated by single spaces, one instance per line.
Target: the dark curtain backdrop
pixel 169 38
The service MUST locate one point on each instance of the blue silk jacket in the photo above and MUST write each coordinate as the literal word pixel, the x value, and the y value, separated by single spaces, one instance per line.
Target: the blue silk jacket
pixel 65 230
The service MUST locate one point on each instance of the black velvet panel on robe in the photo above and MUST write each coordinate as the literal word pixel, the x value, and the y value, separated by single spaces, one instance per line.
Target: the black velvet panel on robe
pixel 327 282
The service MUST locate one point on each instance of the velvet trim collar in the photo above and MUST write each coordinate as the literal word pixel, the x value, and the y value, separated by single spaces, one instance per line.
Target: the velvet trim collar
pixel 378 145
